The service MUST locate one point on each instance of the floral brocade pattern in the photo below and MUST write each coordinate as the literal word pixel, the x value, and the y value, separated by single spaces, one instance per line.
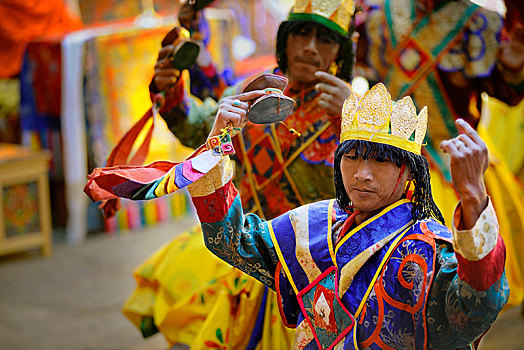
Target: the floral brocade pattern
pixel 240 248
pixel 454 316
pixel 398 298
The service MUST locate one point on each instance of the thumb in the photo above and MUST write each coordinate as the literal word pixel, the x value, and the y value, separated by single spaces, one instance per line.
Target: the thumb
pixel 251 95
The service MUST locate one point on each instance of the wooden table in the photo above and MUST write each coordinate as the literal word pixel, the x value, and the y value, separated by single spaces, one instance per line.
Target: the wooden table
pixel 25 215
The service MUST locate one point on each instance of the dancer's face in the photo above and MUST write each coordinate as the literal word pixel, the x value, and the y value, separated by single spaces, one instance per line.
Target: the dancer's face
pixel 370 183
pixel 310 48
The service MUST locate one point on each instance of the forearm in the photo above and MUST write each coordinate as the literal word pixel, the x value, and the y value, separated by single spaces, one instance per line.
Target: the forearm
pixel 241 240
pixel 470 288
pixel 188 118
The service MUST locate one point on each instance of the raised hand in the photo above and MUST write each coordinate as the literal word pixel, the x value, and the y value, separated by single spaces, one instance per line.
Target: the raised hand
pixel 165 75
pixel 233 110
pixel 188 17
pixel 333 92
pixel 469 161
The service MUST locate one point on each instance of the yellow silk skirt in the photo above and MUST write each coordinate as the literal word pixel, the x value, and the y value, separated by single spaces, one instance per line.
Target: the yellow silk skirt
pixel 197 299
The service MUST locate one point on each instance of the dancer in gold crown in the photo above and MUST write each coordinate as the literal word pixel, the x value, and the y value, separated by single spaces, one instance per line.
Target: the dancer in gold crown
pixel 372 268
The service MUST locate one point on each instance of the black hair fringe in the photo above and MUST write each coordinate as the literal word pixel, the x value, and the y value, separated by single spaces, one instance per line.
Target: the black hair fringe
pixel 423 204
pixel 346 53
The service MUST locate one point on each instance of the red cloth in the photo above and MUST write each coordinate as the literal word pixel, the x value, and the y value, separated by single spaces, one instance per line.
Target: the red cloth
pixel 212 208
pixel 484 273
pixel 23 21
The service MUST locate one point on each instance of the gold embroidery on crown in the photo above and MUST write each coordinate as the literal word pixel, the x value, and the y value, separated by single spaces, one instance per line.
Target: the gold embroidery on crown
pixel 404 118
pixel 376 118
pixel 422 125
pixel 338 11
pixel 374 109
pixel 349 110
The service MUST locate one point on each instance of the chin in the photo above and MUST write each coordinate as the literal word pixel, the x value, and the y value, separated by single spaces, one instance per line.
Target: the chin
pixel 304 77
pixel 306 80
pixel 364 206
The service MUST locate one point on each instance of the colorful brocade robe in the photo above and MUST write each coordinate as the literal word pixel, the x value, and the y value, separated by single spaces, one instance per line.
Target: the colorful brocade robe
pixel 276 170
pixel 388 284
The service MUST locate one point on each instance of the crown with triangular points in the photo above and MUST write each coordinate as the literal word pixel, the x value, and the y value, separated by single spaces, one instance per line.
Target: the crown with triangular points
pixel 334 14
pixel 376 118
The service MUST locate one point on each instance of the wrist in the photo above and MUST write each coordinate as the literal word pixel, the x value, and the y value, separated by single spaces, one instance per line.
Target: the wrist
pixel 472 207
pixel 472 192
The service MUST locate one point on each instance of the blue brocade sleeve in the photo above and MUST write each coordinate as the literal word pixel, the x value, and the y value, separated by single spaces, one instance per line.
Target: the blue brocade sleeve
pixel 457 313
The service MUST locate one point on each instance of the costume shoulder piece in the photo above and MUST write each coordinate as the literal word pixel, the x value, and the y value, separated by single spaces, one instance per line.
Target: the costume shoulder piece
pixel 434 229
pixel 475 53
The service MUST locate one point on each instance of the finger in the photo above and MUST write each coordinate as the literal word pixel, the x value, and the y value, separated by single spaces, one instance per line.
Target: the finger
pixel 165 51
pixel 239 104
pixel 449 147
pixel 323 104
pixel 231 117
pixel 330 89
pixel 461 147
pixel 468 130
pixel 167 72
pixel 326 97
pixel 237 110
pixel 163 63
pixel 165 79
pixel 328 78
pixel 467 141
pixel 162 82
pixel 251 95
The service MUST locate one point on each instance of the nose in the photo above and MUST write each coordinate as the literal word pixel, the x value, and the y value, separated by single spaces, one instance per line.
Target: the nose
pixel 364 172
pixel 311 43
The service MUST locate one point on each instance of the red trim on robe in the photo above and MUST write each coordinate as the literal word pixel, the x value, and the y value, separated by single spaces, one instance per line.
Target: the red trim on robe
pixel 212 208
pixel 484 273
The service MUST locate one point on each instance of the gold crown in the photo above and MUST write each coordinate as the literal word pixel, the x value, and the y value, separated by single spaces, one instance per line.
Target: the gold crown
pixel 334 14
pixel 376 118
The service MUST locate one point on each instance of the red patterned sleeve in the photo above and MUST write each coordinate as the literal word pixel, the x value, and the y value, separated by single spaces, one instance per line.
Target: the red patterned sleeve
pixel 480 251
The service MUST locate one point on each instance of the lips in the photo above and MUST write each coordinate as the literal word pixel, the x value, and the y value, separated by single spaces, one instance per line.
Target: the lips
pixel 308 62
pixel 362 190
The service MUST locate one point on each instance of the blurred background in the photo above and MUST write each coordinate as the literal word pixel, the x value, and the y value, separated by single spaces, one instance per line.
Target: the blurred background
pixel 74 77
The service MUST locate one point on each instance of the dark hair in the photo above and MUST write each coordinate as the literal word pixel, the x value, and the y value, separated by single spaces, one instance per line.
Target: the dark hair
pixel 423 204
pixel 345 60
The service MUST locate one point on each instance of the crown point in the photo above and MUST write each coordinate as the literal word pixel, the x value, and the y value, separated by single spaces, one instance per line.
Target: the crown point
pixel 348 110
pixel 403 118
pixel 422 124
pixel 374 108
